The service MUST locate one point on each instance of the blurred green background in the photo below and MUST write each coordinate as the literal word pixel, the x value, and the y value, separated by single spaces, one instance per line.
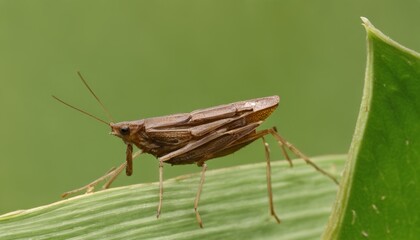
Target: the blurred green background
pixel 152 58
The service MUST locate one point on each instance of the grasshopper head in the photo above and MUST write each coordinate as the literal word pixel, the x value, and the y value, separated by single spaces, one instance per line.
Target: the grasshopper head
pixel 127 131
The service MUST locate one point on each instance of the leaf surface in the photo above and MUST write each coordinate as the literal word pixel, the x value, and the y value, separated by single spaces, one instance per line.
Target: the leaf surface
pixel 234 205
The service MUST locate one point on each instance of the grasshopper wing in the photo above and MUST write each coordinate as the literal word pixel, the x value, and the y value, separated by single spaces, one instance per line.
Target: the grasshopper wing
pixel 207 147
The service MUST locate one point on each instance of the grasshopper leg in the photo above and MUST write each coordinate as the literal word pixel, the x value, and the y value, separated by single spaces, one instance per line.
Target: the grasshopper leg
pixel 91 186
pixel 160 188
pixel 269 188
pixel 118 171
pixel 111 175
pixel 283 142
pixel 284 152
pixel 200 188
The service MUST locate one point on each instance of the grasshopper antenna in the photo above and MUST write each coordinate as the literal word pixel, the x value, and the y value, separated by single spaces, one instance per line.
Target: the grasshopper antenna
pixel 80 110
pixel 96 97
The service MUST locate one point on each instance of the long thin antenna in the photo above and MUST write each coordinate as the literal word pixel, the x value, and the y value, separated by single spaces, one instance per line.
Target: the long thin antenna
pixel 97 99
pixel 80 110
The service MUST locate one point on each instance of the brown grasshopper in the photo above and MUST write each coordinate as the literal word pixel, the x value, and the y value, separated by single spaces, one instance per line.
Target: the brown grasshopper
pixel 196 137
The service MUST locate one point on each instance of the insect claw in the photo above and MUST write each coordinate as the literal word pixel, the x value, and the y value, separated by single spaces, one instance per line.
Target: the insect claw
pixel 277 218
pixel 290 162
pixel 90 189
pixel 197 215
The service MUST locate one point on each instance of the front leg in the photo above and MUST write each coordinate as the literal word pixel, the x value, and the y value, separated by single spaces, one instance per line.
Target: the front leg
pixel 129 160
pixel 110 176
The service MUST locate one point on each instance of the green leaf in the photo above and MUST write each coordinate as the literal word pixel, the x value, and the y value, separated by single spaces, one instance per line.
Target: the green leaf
pixel 234 205
pixel 381 192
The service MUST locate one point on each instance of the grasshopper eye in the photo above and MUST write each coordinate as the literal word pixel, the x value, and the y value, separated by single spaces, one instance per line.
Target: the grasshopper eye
pixel 125 130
